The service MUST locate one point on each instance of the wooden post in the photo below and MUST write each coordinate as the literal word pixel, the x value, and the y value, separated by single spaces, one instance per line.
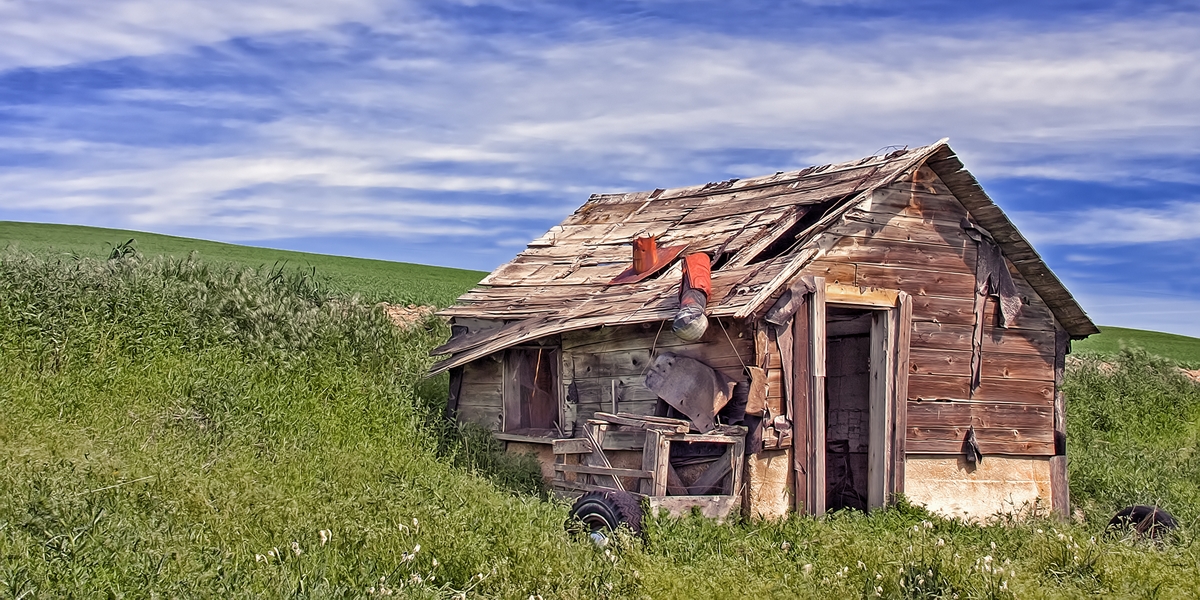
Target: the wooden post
pixel 900 407
pixel 798 407
pixel 656 457
pixel 737 458
pixel 816 405
pixel 1060 489
pixel 879 409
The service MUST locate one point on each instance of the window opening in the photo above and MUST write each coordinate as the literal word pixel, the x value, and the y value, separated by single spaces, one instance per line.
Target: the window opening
pixel 531 390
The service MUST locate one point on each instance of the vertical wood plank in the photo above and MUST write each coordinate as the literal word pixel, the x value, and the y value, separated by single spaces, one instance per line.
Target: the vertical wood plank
pixel 1060 491
pixel 510 413
pixel 816 414
pixel 1062 341
pixel 650 462
pixel 662 463
pixel 737 460
pixel 879 409
pixel 1060 485
pixel 900 393
pixel 799 408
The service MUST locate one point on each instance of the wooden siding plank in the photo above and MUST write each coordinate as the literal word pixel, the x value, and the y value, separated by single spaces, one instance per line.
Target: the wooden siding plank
pixel 936 387
pixel 916 282
pixel 1029 367
pixel 949 440
pixel 912 255
pixel 1005 341
pixel 980 415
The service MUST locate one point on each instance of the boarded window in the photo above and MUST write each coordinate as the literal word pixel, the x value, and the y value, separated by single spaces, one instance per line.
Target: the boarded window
pixel 531 390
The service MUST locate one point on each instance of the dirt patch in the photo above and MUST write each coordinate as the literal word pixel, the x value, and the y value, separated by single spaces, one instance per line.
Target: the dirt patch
pixel 407 316
pixel 1108 368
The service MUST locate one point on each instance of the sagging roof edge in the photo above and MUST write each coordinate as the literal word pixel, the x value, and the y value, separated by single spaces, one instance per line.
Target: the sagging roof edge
pixel 1015 247
pixel 943 161
pixel 773 288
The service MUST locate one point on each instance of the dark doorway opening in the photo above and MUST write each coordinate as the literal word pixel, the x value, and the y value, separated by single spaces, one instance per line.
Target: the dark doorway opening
pixel 847 407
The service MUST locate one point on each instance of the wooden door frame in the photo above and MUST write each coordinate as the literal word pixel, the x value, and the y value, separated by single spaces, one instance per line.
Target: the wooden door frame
pixel 891 327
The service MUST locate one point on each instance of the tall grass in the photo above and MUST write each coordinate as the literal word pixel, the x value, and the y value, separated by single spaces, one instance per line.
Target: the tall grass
pixel 168 428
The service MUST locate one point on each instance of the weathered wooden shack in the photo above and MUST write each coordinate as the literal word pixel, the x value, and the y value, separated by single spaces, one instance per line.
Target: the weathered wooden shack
pixel 875 327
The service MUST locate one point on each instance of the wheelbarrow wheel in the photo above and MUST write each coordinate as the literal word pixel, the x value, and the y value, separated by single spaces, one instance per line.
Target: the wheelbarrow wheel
pixel 601 513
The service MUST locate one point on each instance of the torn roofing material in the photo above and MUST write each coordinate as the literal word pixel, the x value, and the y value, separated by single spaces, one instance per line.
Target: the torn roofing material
pixel 760 233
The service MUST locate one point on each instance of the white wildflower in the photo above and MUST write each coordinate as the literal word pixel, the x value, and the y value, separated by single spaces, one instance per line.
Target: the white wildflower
pixel 416 548
pixel 785 546
pixel 807 568
pixel 325 536
pixel 941 542
pixel 260 558
pixel 435 562
pixel 273 552
pixel 296 549
pixel 878 591
pixel 993 545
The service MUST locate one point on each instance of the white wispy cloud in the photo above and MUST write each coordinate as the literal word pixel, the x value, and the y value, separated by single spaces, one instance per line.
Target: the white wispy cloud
pixel 42 33
pixel 430 110
pixel 1113 226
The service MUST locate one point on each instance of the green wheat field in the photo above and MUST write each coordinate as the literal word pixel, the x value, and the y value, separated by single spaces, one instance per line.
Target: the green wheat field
pixel 187 419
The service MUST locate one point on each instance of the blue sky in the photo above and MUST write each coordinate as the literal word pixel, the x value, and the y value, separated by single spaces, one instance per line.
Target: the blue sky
pixel 453 133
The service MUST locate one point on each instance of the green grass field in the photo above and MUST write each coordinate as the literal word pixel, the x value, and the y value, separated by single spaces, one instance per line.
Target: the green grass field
pixel 1182 349
pixel 375 280
pixel 175 428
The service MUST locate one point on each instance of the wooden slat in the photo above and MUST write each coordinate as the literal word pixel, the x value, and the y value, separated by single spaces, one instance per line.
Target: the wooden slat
pixel 980 415
pixel 941 309
pixel 572 446
pixel 610 471
pixel 833 271
pixel 487 417
pixel 1005 341
pixel 936 387
pixel 920 204
pixel 900 396
pixel 1062 341
pixel 1060 489
pixel 916 282
pixel 949 440
pixel 609 364
pixel 816 394
pixel 1029 367
pixel 905 229
pixel 911 255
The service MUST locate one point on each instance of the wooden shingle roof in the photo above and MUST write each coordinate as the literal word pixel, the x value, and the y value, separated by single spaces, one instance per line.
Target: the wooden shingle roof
pixel 760 232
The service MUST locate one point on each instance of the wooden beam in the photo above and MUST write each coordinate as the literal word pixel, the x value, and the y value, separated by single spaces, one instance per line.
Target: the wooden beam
pixel 610 471
pixel 900 393
pixel 816 394
pixel 879 409
pixel 1060 491
pixel 836 293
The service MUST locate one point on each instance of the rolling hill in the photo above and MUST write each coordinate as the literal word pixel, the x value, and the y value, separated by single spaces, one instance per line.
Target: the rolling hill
pixel 375 280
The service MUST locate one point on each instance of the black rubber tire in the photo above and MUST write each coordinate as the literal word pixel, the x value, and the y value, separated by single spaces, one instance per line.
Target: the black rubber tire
pixel 1150 521
pixel 607 510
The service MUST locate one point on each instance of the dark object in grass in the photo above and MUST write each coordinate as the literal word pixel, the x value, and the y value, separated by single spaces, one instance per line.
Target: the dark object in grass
pixel 1146 521
pixel 602 512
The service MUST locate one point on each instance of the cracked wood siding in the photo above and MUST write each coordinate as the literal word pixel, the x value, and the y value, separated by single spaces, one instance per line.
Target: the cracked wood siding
pixel 909 237
pixel 594 358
